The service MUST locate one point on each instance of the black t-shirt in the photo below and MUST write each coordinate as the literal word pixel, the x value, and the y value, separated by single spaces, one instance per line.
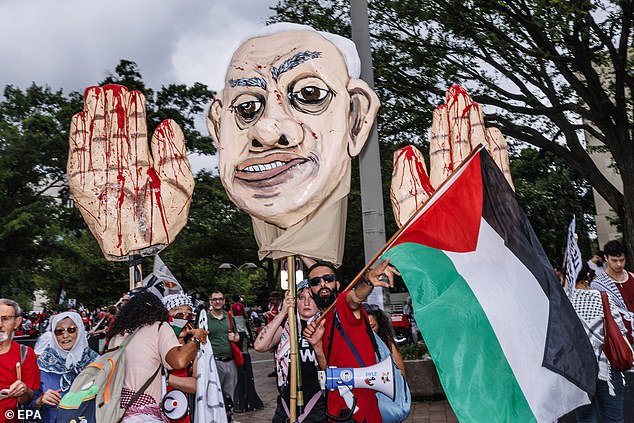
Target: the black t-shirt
pixel 310 367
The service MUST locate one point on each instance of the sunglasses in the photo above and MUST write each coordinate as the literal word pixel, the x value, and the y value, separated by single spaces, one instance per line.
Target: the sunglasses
pixel 185 316
pixel 216 299
pixel 326 278
pixel 60 331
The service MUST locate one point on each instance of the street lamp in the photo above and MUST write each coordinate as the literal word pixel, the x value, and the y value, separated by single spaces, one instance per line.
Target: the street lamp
pixel 248 265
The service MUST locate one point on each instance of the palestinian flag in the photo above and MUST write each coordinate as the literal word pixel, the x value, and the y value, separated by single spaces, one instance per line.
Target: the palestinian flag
pixel 507 344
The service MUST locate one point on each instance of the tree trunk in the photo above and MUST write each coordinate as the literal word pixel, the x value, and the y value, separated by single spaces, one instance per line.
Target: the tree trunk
pixel 627 215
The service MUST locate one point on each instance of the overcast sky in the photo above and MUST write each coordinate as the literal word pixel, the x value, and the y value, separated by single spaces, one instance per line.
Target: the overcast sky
pixel 72 44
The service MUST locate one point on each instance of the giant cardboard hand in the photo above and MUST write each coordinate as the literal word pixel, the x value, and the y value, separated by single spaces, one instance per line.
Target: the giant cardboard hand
pixel 457 128
pixel 134 202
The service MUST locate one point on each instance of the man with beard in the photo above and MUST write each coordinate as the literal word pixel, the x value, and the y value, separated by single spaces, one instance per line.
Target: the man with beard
pixel 349 318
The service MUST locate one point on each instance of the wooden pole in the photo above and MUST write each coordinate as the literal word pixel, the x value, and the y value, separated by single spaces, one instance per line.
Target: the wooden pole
pixel 292 329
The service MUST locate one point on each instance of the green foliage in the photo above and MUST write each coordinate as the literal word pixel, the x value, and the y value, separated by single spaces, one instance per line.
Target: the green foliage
pixel 413 351
pixel 551 194
pixel 547 72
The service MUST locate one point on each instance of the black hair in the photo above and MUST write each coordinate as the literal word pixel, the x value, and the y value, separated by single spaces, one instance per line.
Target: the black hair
pixel 386 330
pixel 143 309
pixel 613 248
pixel 585 273
pixel 323 264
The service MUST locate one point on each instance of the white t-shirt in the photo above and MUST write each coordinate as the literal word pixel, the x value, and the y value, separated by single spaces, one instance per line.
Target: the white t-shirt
pixel 143 355
pixel 597 269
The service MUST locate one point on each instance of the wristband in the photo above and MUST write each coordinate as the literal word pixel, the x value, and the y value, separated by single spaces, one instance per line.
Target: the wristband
pixel 197 342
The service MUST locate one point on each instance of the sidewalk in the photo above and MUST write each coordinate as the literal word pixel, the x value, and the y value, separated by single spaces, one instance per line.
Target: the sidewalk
pixel 422 411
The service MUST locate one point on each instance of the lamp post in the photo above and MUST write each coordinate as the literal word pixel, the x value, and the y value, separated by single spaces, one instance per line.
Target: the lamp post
pixel 247 265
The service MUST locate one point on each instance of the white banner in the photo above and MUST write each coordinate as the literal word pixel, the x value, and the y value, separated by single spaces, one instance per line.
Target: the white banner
pixel 573 260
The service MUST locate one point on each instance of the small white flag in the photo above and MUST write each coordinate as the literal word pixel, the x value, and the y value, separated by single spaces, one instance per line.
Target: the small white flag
pixel 573 257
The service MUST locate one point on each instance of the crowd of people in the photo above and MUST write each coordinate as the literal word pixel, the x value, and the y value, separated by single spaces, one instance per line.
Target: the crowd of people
pixel 604 272
pixel 335 327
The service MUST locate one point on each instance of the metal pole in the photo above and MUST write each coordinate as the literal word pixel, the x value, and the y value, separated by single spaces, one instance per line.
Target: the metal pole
pixel 369 159
pixel 238 279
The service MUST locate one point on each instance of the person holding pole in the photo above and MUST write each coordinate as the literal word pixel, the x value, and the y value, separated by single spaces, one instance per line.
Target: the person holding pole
pixel 344 324
pixel 277 333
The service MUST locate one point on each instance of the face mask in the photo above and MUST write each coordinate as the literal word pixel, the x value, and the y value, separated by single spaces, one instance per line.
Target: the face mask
pixel 178 325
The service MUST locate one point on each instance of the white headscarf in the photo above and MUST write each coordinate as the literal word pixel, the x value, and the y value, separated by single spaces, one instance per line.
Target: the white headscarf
pixel 74 355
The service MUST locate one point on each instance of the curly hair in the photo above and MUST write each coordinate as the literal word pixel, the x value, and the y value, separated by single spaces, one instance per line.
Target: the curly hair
pixel 386 330
pixel 143 309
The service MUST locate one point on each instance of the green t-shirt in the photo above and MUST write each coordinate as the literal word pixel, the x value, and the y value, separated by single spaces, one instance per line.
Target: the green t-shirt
pixel 218 331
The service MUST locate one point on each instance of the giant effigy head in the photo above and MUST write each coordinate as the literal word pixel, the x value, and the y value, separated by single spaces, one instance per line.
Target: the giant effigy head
pixel 292 114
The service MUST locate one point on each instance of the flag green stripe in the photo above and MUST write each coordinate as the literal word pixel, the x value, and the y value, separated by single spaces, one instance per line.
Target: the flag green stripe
pixel 477 378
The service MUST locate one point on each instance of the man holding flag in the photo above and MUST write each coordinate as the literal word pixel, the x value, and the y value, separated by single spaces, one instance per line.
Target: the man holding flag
pixel 344 330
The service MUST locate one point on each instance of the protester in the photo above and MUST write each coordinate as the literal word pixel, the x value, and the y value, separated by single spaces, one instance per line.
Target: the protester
pixel 154 345
pixel 240 317
pixel 19 377
pixel 103 326
pixel 352 333
pixel 85 319
pixel 274 306
pixel 61 361
pixel 382 326
pixel 181 316
pixel 618 283
pixel 596 263
pixel 608 400
pixel 277 334
pixel 220 337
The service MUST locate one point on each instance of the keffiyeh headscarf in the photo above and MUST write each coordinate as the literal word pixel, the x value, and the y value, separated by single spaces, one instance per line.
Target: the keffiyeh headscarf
pixel 69 364
pixel 175 300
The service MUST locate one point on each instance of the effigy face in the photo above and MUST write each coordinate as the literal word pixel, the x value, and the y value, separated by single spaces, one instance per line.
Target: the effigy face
pixel 287 124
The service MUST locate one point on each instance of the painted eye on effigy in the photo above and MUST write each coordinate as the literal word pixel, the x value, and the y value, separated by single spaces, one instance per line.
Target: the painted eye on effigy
pixel 248 108
pixel 310 95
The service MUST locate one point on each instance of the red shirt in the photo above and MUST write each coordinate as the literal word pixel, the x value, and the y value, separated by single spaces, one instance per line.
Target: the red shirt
pixel 238 309
pixel 30 375
pixel 627 292
pixel 342 356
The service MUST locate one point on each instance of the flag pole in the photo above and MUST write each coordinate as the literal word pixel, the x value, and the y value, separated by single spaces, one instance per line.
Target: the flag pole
pixel 401 229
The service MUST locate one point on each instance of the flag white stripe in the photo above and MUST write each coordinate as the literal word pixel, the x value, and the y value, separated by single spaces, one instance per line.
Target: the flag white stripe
pixel 517 310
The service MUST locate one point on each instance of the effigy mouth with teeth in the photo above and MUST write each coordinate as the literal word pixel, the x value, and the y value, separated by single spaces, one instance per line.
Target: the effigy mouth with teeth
pixel 274 169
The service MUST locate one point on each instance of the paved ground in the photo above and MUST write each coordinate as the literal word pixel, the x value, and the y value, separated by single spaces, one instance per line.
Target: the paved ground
pixel 422 412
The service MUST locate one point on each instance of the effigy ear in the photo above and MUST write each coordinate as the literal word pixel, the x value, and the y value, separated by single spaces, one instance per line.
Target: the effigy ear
pixel 364 105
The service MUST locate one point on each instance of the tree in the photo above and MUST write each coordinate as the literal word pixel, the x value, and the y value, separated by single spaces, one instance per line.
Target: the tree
pixel 547 70
pixel 32 162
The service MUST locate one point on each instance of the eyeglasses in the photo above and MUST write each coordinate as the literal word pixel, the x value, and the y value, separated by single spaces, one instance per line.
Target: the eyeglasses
pixel 326 278
pixel 186 316
pixel 216 299
pixel 5 319
pixel 60 331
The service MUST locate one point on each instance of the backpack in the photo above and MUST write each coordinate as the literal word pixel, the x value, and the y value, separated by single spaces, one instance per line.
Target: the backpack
pixel 94 396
